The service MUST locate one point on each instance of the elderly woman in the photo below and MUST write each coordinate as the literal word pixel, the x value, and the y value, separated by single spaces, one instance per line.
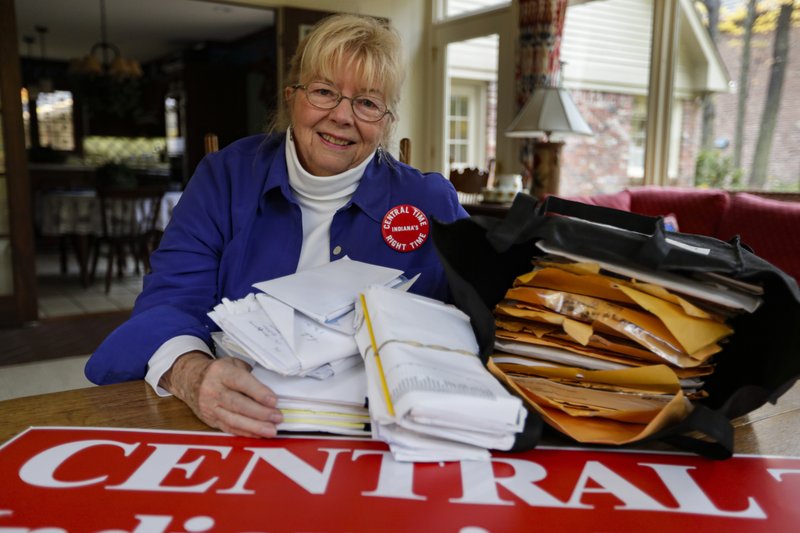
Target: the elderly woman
pixel 268 206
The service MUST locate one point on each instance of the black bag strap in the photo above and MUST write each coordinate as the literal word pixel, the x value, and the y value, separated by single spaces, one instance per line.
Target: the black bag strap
pixel 711 424
pixel 508 231
pixel 531 433
pixel 602 215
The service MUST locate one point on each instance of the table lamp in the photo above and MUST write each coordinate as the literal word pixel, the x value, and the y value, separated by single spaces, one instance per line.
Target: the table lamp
pixel 549 110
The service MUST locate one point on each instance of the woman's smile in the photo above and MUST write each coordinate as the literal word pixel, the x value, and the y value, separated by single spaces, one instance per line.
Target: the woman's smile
pixel 337 141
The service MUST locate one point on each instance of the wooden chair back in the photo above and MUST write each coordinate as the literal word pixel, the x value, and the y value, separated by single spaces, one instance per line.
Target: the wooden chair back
pixel 405 150
pixel 129 212
pixel 211 143
pixel 469 183
pixel 129 219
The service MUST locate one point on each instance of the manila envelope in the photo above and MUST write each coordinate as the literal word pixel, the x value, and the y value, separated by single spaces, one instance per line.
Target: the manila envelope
pixel 646 328
pixel 599 429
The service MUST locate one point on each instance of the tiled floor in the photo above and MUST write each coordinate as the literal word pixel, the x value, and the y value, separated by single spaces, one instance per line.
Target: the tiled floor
pixel 55 375
pixel 63 294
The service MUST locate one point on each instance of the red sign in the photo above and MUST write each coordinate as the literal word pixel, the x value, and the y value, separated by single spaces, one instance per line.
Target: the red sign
pixel 106 480
pixel 405 228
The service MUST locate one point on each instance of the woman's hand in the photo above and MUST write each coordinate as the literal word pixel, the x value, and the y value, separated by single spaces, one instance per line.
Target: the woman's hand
pixel 224 394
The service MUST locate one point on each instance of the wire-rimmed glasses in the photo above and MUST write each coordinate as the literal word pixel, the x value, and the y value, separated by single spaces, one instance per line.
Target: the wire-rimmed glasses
pixel 322 95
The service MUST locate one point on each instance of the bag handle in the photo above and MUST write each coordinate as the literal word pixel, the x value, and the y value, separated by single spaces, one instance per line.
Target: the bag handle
pixel 505 234
pixel 602 215
pixel 711 424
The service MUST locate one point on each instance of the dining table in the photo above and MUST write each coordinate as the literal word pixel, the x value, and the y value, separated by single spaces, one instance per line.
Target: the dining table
pixel 74 218
pixel 768 430
pixel 119 457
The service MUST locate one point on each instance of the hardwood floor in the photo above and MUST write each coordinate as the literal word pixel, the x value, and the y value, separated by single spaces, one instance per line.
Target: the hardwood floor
pixel 57 337
pixel 73 319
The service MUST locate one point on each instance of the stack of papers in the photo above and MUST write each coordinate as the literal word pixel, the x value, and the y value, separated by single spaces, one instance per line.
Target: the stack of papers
pixel 607 353
pixel 337 404
pixel 271 334
pixel 430 397
pixel 298 335
pixel 301 324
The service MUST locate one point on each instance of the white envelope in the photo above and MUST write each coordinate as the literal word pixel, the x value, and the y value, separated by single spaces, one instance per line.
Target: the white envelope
pixel 312 343
pixel 327 292
pixel 249 327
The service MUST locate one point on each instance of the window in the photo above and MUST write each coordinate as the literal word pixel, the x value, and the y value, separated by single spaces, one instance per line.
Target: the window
pixel 467 128
pixel 471 76
pixel 637 137
pixel 751 133
pixel 53 119
pixel 458 131
pixel 607 73
pixel 453 8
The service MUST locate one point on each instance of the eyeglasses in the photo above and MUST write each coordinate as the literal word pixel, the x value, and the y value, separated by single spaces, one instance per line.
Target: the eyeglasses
pixel 325 96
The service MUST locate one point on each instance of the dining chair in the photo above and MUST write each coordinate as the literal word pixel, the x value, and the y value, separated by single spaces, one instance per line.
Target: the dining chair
pixel 211 143
pixel 128 220
pixel 470 182
pixel 405 150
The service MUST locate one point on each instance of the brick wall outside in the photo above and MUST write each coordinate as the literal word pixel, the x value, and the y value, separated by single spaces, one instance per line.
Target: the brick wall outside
pixel 599 164
pixel 784 167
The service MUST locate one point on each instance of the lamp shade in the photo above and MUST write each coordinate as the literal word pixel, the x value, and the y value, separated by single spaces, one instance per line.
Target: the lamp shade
pixel 549 110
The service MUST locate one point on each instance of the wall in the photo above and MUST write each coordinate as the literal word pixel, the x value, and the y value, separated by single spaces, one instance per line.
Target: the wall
pixel 410 18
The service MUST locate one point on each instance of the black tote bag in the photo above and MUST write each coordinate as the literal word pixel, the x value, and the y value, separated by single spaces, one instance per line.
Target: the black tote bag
pixel 761 361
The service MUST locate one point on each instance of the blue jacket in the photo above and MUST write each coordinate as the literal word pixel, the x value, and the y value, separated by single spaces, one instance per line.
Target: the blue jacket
pixel 237 223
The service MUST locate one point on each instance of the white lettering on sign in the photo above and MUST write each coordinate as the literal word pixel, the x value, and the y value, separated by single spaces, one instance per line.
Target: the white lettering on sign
pixel 147 524
pixel 395 479
pixel 154 470
pixel 39 470
pixel 778 473
pixel 691 498
pixel 291 466
pixel 479 484
pixel 612 483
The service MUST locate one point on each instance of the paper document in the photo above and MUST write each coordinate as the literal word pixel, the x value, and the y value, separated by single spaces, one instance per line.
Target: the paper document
pixel 607 407
pixel 279 338
pixel 424 376
pixel 304 323
pixel 337 404
pixel 327 292
pixel 681 284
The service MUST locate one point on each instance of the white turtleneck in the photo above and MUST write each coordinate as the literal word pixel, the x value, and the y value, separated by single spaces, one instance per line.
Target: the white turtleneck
pixel 319 198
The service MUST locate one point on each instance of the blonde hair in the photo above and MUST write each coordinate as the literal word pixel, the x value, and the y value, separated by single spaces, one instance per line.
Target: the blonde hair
pixel 365 44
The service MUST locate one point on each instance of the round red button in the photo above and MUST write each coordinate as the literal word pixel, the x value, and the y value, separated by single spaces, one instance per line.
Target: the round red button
pixel 405 228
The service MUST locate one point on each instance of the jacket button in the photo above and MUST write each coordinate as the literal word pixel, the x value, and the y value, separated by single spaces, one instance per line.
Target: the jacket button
pixel 337 250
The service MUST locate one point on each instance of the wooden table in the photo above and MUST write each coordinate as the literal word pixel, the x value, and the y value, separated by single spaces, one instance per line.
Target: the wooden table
pixel 74 216
pixel 770 430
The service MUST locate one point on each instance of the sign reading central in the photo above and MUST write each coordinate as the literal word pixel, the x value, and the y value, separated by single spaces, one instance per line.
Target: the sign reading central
pixel 405 228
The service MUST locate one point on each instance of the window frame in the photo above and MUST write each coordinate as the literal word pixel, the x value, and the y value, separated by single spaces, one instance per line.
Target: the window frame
pixel 664 49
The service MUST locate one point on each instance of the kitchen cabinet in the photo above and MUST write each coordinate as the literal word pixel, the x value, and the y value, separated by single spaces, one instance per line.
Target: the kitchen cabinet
pixel 121 108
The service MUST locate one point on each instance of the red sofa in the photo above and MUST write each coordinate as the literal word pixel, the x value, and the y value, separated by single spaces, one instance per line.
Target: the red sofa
pixel 770 227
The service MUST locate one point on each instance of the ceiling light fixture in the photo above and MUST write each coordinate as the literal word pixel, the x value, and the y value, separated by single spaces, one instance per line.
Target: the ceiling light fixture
pixel 112 62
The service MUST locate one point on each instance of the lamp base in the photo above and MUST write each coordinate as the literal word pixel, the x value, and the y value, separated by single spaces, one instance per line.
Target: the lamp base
pixel 546 168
